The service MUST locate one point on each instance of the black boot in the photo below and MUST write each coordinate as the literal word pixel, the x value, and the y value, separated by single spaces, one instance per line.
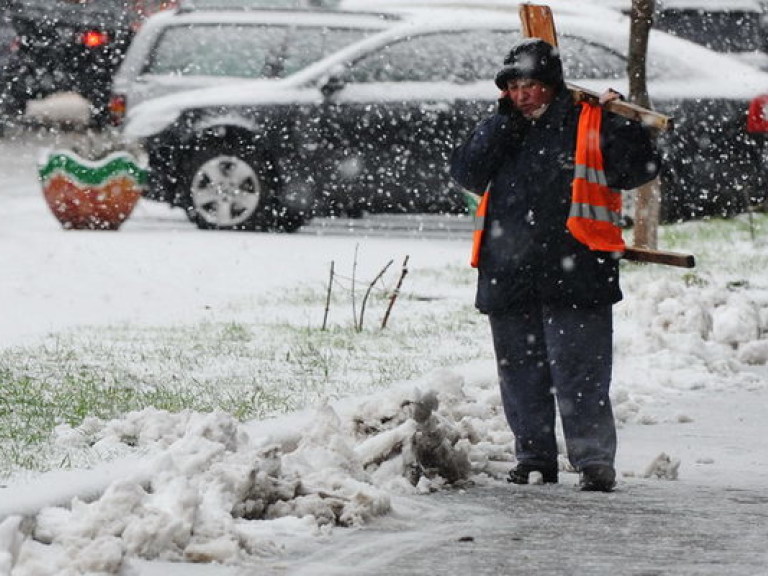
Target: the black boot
pixel 598 478
pixel 520 473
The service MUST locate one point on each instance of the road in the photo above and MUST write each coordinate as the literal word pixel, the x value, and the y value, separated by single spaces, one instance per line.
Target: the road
pixel 435 226
pixel 22 147
pixel 155 216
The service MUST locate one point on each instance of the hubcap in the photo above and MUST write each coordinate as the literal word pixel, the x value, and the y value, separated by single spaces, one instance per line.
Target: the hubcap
pixel 225 191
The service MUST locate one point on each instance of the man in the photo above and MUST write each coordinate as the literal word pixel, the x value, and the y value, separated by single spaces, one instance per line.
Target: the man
pixel 548 295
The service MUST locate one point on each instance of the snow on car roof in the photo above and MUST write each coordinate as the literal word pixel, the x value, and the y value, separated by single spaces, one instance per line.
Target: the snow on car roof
pixel 698 71
pixel 254 4
pixel 693 61
pixel 295 16
pixel 584 9
pixel 707 5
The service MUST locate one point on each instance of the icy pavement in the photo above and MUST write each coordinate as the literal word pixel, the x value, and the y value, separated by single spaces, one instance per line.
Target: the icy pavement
pixel 645 528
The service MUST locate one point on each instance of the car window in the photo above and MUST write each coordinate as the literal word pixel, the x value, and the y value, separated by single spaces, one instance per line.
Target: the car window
pixel 583 59
pixel 463 56
pixel 475 55
pixel 308 45
pixel 247 51
pixel 723 28
pixel 215 50
pixel 148 7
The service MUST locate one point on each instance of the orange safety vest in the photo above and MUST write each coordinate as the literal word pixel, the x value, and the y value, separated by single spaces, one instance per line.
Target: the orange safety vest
pixel 595 215
pixel 477 235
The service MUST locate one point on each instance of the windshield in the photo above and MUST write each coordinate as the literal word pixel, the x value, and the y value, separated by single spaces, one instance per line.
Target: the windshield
pixel 73 10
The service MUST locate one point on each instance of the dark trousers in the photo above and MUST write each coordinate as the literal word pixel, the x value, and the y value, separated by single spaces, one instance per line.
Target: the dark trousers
pixel 562 355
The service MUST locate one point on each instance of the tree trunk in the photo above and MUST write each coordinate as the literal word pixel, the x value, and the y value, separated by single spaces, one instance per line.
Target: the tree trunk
pixel 648 199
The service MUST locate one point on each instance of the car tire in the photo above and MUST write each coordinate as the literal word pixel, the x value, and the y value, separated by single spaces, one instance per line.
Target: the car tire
pixel 226 187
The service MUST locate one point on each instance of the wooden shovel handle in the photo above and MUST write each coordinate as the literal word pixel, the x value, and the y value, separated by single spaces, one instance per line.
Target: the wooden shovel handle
pixel 537 22
pixel 647 117
pixel 678 259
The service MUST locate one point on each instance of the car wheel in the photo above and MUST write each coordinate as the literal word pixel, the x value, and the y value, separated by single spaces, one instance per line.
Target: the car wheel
pixel 227 188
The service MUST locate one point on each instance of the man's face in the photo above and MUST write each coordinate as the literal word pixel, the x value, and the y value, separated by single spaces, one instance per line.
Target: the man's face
pixel 531 97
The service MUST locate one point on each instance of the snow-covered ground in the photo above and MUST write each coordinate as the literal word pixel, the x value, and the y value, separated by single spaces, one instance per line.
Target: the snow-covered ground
pixel 356 485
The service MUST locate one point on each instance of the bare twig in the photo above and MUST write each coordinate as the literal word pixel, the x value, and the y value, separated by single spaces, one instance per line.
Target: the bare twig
pixel 395 293
pixel 328 298
pixel 354 274
pixel 368 293
pixel 748 204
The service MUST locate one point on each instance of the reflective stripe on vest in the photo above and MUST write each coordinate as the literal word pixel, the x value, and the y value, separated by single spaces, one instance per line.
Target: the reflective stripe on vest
pixel 477 235
pixel 595 215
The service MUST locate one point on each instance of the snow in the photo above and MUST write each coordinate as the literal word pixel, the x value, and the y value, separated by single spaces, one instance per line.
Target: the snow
pixel 362 477
pixel 60 107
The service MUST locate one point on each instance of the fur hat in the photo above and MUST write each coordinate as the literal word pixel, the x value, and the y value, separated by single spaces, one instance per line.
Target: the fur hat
pixel 534 59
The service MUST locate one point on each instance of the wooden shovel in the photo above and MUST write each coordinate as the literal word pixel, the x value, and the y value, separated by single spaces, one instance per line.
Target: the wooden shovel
pixel 538 22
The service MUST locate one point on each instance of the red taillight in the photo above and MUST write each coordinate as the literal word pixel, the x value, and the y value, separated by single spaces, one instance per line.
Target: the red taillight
pixel 94 38
pixel 116 108
pixel 757 119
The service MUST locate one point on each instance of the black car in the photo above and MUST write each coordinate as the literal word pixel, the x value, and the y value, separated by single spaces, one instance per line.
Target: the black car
pixel 68 46
pixel 371 128
pixel 737 27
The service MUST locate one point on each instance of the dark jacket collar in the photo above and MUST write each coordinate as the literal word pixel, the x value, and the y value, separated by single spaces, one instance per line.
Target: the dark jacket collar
pixel 558 109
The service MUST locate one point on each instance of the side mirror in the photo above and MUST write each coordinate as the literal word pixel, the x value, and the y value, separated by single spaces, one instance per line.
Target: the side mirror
pixel 333 84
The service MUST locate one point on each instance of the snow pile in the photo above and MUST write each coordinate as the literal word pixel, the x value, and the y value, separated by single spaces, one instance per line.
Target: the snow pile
pixel 218 493
pixel 675 335
pixel 63 107
pixel 663 466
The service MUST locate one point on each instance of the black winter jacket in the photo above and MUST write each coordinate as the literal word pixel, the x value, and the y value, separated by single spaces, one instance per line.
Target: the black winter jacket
pixel 527 252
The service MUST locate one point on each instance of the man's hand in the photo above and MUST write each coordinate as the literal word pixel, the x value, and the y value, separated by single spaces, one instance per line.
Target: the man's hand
pixel 504 105
pixel 515 123
pixel 609 96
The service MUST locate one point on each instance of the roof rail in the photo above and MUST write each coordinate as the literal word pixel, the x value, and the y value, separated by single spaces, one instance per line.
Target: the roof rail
pixel 191 5
pixel 185 6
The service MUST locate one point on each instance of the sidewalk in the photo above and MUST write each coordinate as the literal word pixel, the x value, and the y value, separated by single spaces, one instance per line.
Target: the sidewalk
pixel 645 528
pixel 711 521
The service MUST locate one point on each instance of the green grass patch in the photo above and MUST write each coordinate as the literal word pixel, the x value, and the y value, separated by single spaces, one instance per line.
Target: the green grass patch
pixel 255 369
